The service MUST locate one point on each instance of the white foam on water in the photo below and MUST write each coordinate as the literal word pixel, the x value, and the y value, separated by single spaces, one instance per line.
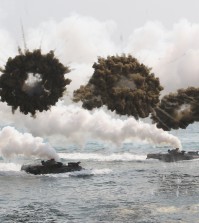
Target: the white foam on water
pixel 102 157
pixel 81 173
pixel 10 167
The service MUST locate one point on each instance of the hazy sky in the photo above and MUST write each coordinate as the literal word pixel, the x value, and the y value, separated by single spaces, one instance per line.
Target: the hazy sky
pixel 127 14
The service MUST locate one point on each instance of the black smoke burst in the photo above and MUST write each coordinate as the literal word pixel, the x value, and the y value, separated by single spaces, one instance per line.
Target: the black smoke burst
pixel 122 84
pixel 40 95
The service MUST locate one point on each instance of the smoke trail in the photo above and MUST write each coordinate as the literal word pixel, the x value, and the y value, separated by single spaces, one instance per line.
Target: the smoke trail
pixel 78 126
pixel 14 143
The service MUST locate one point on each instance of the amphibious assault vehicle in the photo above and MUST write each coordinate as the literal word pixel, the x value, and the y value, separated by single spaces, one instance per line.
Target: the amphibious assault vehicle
pixel 174 155
pixel 51 167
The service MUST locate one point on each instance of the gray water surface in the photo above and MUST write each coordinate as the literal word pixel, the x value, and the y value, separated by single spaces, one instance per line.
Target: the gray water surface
pixel 116 186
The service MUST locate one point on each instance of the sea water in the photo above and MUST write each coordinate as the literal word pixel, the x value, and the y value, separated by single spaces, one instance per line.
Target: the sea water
pixel 116 185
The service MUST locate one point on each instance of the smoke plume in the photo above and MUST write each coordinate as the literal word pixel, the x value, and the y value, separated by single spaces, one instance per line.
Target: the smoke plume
pixel 13 143
pixel 178 110
pixel 48 88
pixel 123 85
pixel 172 53
pixel 77 125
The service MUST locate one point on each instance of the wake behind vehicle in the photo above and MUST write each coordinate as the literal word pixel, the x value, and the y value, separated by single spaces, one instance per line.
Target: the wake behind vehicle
pixel 51 167
pixel 174 155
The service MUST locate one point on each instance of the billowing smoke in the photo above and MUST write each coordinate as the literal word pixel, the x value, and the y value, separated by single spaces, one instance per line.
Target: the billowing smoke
pixel 30 96
pixel 172 53
pixel 123 85
pixel 178 110
pixel 78 41
pixel 77 125
pixel 14 143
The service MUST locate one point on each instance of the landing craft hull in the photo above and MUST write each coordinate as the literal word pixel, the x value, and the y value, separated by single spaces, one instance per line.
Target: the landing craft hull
pixel 174 157
pixel 51 169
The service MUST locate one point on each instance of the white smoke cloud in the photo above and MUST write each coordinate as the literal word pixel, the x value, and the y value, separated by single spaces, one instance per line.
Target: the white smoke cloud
pixel 13 143
pixel 77 125
pixel 80 75
pixel 78 39
pixel 173 54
